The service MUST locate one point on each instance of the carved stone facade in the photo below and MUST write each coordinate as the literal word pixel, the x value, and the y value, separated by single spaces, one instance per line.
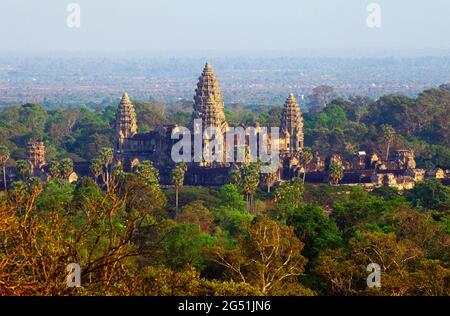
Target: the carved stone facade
pixel 208 106
pixel 208 102
pixel 36 156
pixel 368 170
pixel 291 134
pixel 405 159
pixel 126 122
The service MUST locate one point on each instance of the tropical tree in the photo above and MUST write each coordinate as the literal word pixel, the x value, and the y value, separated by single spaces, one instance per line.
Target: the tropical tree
pixel 289 197
pixel 247 180
pixel 148 172
pixel 96 168
pixel 267 257
pixel 269 179
pixel 23 169
pixel 178 179
pixel 107 156
pixel 66 166
pixel 304 157
pixel 4 157
pixel 54 169
pixel 388 136
pixel 336 172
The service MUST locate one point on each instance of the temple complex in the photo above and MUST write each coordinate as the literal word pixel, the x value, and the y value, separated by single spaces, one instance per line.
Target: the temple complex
pixel 131 147
pixel 367 170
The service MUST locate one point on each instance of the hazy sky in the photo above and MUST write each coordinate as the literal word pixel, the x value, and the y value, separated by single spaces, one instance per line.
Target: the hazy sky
pixel 164 25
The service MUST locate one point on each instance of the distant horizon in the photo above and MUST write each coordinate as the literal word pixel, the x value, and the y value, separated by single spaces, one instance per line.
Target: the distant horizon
pixel 233 53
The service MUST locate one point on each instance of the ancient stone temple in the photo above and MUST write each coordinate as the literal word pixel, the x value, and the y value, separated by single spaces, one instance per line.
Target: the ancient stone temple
pixel 291 133
pixel 405 159
pixel 126 123
pixel 364 168
pixel 208 102
pixel 133 147
pixel 36 155
pixel 208 107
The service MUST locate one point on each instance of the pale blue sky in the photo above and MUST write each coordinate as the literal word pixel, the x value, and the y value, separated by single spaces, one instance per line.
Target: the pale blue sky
pixel 168 25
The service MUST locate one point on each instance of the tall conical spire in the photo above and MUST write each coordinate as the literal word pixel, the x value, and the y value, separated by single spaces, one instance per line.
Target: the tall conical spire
pixel 125 99
pixel 126 123
pixel 292 123
pixel 208 102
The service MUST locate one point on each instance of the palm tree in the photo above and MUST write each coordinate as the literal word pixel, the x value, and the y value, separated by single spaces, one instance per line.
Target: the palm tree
pixel 4 157
pixel 96 168
pixel 248 181
pixel 66 167
pixel 388 135
pixel 336 172
pixel 269 179
pixel 107 157
pixel 178 179
pixel 55 169
pixel 148 172
pixel 23 169
pixel 304 157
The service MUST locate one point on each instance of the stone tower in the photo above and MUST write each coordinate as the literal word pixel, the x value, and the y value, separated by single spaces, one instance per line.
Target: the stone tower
pixel 208 102
pixel 405 159
pixel 126 123
pixel 292 125
pixel 35 155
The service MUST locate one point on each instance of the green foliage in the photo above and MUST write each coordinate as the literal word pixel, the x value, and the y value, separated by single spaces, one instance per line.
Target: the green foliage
pixel 183 246
pixel 142 196
pixel 332 117
pixel 315 229
pixel 231 211
pixel 196 213
pixel 23 169
pixel 289 197
pixel 230 196
pixel 335 172
pixel 66 167
pixel 247 180
pixel 358 207
pixel 56 196
pixel 149 173
pixel 431 194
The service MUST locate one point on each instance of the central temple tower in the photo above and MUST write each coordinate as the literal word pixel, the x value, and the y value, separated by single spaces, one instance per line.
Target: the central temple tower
pixel 292 125
pixel 208 102
pixel 126 122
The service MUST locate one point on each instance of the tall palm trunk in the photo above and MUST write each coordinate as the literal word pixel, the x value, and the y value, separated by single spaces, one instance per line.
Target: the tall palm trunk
pixel 4 178
pixel 247 200
pixel 387 151
pixel 176 199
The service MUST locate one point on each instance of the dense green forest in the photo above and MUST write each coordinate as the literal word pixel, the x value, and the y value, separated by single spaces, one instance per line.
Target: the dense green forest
pixel 331 125
pixel 298 240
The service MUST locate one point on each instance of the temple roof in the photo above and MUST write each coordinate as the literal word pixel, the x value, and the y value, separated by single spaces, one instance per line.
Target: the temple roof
pixel 292 123
pixel 208 102
pixel 291 115
pixel 126 121
pixel 125 101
